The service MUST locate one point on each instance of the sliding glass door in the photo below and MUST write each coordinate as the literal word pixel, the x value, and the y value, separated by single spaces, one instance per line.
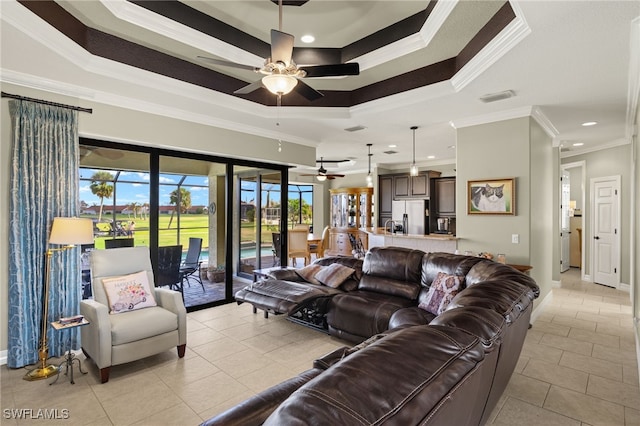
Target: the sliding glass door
pixel 258 218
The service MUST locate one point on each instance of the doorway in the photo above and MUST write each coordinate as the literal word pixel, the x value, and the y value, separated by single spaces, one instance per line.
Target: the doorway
pixel 573 217
pixel 605 204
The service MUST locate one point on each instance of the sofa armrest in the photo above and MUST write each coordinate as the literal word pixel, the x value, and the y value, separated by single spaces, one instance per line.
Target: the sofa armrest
pixel 286 275
pixel 96 336
pixel 255 410
pixel 172 301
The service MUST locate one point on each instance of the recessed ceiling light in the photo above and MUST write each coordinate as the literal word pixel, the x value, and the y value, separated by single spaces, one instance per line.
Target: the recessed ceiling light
pixel 431 157
pixel 589 123
pixel 393 145
pixel 578 144
pixel 307 38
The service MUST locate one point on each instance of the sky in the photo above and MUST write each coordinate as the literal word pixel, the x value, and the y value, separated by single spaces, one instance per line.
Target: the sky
pixel 134 187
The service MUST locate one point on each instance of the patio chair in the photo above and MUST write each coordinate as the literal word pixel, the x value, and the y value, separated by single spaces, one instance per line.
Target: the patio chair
pixel 190 268
pixel 168 270
pixel 276 248
pixel 132 334
pixel 118 242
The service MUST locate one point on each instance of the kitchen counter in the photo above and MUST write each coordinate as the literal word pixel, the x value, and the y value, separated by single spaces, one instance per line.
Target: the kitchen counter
pixel 427 243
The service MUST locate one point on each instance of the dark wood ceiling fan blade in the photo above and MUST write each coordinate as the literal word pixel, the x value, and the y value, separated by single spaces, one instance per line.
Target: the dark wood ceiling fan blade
pixel 333 176
pixel 307 91
pixel 281 47
pixel 335 70
pixel 249 88
pixel 228 64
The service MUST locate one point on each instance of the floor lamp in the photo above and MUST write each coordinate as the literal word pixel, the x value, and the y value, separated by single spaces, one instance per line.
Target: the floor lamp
pixel 68 232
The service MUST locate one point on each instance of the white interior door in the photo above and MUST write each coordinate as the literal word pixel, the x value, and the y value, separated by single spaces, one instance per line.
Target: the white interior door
pixel 565 227
pixel 606 241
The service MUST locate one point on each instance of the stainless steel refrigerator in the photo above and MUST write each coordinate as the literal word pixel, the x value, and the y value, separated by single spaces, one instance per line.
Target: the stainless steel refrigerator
pixel 417 215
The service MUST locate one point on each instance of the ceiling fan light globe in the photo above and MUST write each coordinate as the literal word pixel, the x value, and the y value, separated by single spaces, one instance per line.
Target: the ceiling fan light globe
pixel 321 178
pixel 279 84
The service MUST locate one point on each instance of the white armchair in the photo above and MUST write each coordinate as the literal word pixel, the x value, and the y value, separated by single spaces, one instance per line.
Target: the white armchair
pixel 112 339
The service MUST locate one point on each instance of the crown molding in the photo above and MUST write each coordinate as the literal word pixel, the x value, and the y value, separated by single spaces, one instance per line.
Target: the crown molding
pixel 545 123
pixel 493 117
pixel 613 144
pixel 506 40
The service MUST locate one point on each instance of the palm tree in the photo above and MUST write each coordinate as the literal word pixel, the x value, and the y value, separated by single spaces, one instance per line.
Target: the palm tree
pixel 101 187
pixel 185 202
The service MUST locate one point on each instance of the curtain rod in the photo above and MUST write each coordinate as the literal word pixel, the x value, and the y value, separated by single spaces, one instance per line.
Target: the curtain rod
pixel 40 101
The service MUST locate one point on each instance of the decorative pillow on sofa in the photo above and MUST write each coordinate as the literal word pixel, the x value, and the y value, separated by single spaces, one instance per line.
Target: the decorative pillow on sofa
pixel 129 292
pixel 334 275
pixel 308 273
pixel 442 291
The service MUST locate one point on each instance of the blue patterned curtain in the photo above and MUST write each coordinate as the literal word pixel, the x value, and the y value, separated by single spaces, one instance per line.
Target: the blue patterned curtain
pixel 44 184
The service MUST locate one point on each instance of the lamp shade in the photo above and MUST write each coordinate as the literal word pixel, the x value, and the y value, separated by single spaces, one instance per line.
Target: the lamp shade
pixel 279 84
pixel 71 230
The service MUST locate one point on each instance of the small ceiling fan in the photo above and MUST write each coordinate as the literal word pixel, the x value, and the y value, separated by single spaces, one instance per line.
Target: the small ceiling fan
pixel 322 174
pixel 281 74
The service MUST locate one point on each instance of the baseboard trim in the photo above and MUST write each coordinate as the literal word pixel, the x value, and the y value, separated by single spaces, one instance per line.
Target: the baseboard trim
pixel 543 303
pixel 636 324
pixel 3 357
pixel 555 284
pixel 624 287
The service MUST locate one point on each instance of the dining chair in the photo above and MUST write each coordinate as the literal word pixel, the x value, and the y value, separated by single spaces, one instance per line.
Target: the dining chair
pixel 190 268
pixel 298 245
pixel 319 248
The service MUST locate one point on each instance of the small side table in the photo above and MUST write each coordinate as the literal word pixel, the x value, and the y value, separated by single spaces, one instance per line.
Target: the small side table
pixel 70 356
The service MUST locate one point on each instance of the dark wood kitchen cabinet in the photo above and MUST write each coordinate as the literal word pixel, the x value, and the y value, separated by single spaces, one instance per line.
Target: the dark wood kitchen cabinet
pixel 445 196
pixel 406 186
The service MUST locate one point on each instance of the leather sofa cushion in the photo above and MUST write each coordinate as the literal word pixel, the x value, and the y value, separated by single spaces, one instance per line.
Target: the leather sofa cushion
pixel 440 358
pixel 363 313
pixel 394 263
pixel 488 271
pixel 395 271
pixel 451 264
pixel 408 317
pixel 508 298
pixel 489 326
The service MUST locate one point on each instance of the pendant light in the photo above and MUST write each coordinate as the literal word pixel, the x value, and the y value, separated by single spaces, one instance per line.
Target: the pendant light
pixel 413 171
pixel 369 177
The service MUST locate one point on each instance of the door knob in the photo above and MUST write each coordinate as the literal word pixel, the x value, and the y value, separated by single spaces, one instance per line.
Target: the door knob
pixel 596 238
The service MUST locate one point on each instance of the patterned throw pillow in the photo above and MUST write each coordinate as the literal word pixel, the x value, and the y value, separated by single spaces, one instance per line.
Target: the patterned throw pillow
pixel 442 291
pixel 128 293
pixel 334 275
pixel 308 273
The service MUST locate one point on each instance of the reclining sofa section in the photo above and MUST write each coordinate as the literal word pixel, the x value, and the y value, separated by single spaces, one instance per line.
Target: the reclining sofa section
pixel 411 366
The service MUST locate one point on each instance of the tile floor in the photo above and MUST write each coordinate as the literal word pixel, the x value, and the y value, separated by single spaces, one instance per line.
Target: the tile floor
pixel 578 367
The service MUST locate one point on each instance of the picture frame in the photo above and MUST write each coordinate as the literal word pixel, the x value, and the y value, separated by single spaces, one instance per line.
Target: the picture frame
pixel 491 196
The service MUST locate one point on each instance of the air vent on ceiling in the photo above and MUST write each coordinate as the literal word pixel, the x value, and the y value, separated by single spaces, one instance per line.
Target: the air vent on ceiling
pixel 492 97
pixel 390 152
pixel 355 128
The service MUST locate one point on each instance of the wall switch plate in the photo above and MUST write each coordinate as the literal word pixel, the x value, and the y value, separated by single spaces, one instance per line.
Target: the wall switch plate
pixel 515 238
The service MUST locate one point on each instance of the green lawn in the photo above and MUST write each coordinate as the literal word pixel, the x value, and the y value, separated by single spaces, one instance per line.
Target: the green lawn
pixel 191 225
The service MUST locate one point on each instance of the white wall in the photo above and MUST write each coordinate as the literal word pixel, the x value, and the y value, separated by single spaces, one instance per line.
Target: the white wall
pixel 512 148
pixel 609 162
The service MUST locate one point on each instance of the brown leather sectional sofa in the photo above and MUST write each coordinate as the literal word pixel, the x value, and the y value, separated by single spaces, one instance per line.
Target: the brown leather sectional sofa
pixel 411 367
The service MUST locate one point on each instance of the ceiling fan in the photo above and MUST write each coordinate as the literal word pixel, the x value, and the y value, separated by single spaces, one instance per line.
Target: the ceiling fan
pixel 322 174
pixel 281 73
pixel 108 153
